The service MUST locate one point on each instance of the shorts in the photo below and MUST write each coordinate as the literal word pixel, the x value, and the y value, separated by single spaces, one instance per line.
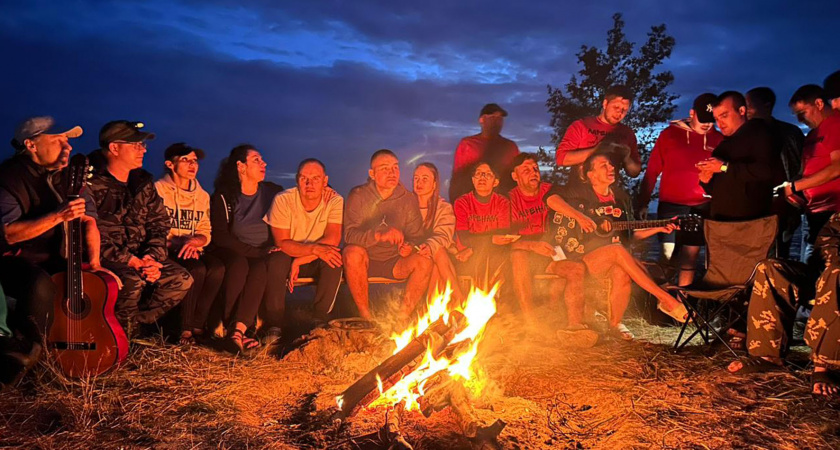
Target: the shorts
pixel 384 269
pixel 667 210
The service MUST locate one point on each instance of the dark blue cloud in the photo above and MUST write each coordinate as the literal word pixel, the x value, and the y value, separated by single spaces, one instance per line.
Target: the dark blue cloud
pixel 337 80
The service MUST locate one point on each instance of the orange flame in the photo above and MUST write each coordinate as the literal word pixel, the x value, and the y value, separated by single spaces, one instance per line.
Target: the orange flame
pixel 478 309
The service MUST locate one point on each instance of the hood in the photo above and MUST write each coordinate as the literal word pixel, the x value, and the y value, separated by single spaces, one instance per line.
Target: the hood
pixel 683 124
pixel 399 192
pixel 168 184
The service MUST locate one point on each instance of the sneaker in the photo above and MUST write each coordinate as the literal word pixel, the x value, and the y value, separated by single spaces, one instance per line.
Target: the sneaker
pixel 272 336
pixel 578 337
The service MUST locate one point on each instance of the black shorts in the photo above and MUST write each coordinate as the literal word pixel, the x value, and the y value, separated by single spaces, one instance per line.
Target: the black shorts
pixel 667 210
pixel 384 269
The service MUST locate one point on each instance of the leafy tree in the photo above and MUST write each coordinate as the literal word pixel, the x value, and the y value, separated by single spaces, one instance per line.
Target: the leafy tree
pixel 617 64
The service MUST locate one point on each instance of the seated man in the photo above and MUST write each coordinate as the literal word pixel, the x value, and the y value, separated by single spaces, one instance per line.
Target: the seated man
pixel 134 225
pixel 532 253
pixel 605 257
pixel 482 221
pixel 306 224
pixel 382 225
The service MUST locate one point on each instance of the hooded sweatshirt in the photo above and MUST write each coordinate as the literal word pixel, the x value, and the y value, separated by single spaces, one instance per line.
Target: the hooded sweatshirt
pixel 366 212
pixel 189 210
pixel 674 155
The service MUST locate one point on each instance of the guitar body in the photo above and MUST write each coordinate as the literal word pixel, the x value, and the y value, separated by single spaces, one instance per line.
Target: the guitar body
pixel 85 337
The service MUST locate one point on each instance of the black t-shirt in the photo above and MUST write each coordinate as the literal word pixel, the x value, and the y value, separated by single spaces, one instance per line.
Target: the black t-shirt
pixel 565 232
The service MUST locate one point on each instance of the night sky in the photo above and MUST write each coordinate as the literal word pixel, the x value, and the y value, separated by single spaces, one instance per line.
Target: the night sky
pixel 337 80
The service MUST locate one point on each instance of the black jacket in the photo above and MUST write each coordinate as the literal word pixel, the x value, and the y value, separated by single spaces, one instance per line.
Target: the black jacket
pixel 745 190
pixel 221 222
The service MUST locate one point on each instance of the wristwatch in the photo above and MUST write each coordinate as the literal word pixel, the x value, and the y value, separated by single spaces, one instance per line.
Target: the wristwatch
pixel 724 167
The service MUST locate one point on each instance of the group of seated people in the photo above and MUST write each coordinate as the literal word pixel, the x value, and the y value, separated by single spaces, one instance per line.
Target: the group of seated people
pixel 243 249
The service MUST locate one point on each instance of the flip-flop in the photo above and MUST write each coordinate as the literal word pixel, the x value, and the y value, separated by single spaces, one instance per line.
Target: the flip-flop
pixel 680 313
pixel 621 331
pixel 825 378
pixel 755 364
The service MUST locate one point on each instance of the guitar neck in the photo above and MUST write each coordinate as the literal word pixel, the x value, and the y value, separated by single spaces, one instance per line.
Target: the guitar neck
pixel 75 250
pixel 640 224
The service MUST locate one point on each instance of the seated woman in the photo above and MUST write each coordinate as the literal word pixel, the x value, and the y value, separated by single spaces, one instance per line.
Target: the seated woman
pixel 242 240
pixel 188 206
pixel 482 220
pixel 439 224
pixel 605 257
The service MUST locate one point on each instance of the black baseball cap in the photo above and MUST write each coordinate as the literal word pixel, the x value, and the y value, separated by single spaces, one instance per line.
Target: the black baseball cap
pixel 702 107
pixel 123 130
pixel 831 86
pixel 492 108
pixel 180 149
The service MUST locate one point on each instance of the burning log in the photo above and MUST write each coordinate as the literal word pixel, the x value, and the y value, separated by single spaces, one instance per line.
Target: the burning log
pixel 441 391
pixel 390 432
pixel 435 338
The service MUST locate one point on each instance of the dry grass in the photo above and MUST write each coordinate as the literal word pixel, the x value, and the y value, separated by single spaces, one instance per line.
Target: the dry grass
pixel 615 395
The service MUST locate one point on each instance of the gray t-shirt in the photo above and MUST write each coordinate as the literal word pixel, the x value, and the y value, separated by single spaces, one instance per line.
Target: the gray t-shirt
pixel 248 214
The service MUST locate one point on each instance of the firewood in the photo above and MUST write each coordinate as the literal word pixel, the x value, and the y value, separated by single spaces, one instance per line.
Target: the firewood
pixel 391 430
pixel 365 389
pixel 462 408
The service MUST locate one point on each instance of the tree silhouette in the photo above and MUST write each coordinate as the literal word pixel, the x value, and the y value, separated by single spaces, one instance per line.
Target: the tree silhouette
pixel 617 64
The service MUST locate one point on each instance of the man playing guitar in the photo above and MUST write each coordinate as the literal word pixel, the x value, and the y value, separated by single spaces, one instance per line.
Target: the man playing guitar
pixel 575 206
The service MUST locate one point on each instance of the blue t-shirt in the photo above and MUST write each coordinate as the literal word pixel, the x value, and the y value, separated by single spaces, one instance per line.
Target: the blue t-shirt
pixel 248 215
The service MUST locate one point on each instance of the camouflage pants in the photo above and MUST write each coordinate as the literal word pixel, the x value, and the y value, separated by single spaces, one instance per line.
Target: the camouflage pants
pixel 822 333
pixel 165 293
pixel 780 287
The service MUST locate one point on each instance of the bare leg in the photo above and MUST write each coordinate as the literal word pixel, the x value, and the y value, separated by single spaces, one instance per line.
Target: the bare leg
pixel 417 270
pixel 356 275
pixel 521 268
pixel 619 296
pixel 572 273
pixel 602 259
pixel 688 257
pixel 446 274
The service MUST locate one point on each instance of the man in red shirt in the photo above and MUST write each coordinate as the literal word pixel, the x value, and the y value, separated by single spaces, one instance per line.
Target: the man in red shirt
pixel 532 253
pixel 488 146
pixel 583 135
pixel 482 221
pixel 820 182
pixel 677 150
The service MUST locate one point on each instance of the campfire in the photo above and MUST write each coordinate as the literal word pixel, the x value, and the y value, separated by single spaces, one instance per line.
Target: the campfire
pixel 433 366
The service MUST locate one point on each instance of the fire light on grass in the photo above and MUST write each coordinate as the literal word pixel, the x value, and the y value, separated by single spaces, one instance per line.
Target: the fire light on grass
pixel 479 307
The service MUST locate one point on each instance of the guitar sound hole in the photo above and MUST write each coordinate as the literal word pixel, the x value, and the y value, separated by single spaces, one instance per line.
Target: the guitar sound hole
pixel 77 310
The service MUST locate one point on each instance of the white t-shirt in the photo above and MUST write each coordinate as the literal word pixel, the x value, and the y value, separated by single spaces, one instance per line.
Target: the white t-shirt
pixel 287 212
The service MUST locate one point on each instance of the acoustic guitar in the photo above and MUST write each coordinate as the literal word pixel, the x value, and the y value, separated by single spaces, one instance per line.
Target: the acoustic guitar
pixel 571 238
pixel 85 337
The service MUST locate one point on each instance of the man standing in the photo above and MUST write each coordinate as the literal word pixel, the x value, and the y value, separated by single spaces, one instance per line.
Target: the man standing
pixel 820 182
pixel 33 203
pixel 488 146
pixel 744 168
pixel 675 155
pixel 134 225
pixel 382 225
pixel 584 135
pixel 832 90
pixel 306 225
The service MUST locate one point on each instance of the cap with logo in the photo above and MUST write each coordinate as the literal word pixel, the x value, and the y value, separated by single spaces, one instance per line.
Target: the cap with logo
pixel 702 107
pixel 492 108
pixel 123 130
pixel 180 149
pixel 36 126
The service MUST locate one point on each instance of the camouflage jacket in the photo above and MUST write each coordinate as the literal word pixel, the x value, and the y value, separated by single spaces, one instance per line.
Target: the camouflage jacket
pixel 828 240
pixel 131 217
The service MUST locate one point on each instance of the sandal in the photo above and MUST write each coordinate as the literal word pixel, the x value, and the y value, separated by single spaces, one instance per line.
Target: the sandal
pixel 621 331
pixel 829 383
pixel 239 343
pixel 187 338
pixel 755 364
pixel 680 314
pixel 737 340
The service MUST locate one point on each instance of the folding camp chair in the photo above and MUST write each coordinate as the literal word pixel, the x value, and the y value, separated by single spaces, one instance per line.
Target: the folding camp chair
pixel 733 249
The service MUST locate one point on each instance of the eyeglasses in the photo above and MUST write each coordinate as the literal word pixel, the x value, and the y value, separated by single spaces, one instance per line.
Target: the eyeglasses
pixel 485 175
pixel 133 144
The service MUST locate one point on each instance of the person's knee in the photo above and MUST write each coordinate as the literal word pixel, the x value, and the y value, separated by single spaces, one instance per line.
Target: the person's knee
pixel 618 277
pixel 198 271
pixel 421 264
pixel 258 269
pixel 355 257
pixel 237 265
pixel 520 264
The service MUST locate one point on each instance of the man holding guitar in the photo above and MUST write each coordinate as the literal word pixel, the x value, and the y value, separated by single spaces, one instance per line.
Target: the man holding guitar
pixel 33 202
pixel 573 232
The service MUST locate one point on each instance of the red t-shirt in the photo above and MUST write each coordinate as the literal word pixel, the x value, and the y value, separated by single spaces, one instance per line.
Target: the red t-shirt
pixel 476 217
pixel 820 143
pixel 498 151
pixel 589 132
pixel 678 148
pixel 527 214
